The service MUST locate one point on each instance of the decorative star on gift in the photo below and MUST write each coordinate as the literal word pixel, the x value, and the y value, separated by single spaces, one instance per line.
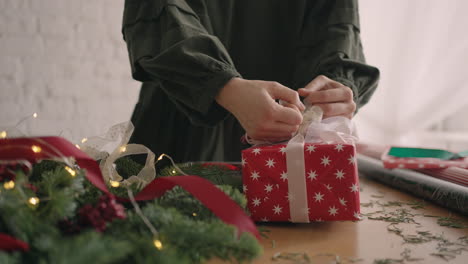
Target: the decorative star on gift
pixel 354 188
pixel 284 176
pixel 277 209
pixel 255 175
pixel 333 211
pixel 339 174
pixel 325 161
pixel 256 201
pixel 268 187
pixel 270 163
pixel 318 197
pixel 312 175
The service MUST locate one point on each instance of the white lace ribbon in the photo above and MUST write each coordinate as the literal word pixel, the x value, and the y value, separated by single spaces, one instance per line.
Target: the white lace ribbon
pixel 94 147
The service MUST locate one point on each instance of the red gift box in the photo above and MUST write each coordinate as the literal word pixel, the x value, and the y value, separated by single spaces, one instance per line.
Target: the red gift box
pixel 331 179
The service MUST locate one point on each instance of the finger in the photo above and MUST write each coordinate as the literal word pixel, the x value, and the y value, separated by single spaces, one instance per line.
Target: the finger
pixel 321 82
pixel 341 94
pixel 338 109
pixel 286 104
pixel 287 115
pixel 282 92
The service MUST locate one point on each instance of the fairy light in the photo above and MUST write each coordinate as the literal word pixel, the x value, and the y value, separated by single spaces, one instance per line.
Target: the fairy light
pixel 71 171
pixel 36 149
pixel 9 185
pixel 194 214
pixel 123 148
pixel 173 171
pixel 158 244
pixel 84 140
pixel 161 157
pixel 114 184
pixel 77 146
pixel 3 134
pixel 33 201
pixel 34 115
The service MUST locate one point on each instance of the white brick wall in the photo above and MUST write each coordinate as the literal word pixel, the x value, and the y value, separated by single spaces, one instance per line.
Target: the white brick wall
pixel 67 61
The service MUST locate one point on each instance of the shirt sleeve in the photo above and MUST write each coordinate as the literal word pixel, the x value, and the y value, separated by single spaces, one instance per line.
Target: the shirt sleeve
pixel 168 44
pixel 330 44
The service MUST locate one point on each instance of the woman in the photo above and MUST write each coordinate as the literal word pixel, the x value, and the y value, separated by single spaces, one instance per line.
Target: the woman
pixel 200 62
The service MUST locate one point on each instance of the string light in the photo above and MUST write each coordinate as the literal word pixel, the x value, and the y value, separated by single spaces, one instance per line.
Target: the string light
pixel 71 171
pixel 114 184
pixel 77 146
pixel 194 214
pixel 123 148
pixel 35 115
pixel 36 149
pixel 33 201
pixel 173 171
pixel 84 140
pixel 9 185
pixel 161 157
pixel 157 243
pixel 3 134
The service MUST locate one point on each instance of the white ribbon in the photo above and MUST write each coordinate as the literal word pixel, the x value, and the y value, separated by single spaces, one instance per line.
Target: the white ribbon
pixel 93 146
pixel 312 130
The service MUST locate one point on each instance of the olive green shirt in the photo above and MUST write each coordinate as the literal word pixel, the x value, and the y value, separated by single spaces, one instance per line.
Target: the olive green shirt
pixel 184 52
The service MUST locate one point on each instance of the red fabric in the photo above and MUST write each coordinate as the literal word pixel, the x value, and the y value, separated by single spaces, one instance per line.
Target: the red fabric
pixel 220 164
pixel 9 243
pixel 331 181
pixel 209 195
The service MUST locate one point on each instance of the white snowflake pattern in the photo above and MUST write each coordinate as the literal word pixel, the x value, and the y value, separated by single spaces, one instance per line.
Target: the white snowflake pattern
pixel 256 151
pixel 277 209
pixel 268 187
pixel 333 211
pixel 318 197
pixel 339 147
pixel 290 196
pixel 264 219
pixel 325 161
pixel 243 162
pixel 311 148
pixel 244 188
pixel 421 166
pixel 343 201
pixel 255 175
pixel 270 163
pixel 354 188
pixel 442 166
pixel 256 201
pixel 352 159
pixel 306 210
pixel 282 150
pixel 328 186
pixel 284 176
pixel 339 174
pixel 357 216
pixel 312 175
pixel 318 220
pixel 401 166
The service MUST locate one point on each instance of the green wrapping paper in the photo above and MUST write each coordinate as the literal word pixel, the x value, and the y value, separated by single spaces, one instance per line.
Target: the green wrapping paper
pixel 441 192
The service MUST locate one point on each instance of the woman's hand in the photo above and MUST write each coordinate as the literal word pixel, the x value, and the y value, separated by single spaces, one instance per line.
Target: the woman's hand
pixel 334 98
pixel 253 104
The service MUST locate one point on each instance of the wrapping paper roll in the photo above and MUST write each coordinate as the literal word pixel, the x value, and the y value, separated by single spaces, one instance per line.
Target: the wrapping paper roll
pixel 444 193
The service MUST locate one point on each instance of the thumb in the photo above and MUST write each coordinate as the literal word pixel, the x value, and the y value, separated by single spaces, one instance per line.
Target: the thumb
pixel 281 92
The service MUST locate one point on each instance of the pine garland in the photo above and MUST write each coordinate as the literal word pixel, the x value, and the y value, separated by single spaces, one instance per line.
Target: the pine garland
pixel 189 232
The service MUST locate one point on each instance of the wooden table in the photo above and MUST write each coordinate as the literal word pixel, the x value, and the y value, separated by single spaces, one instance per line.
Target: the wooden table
pixel 368 241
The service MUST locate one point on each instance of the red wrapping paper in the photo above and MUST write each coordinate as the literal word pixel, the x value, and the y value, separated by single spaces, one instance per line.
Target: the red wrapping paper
pixel 332 182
